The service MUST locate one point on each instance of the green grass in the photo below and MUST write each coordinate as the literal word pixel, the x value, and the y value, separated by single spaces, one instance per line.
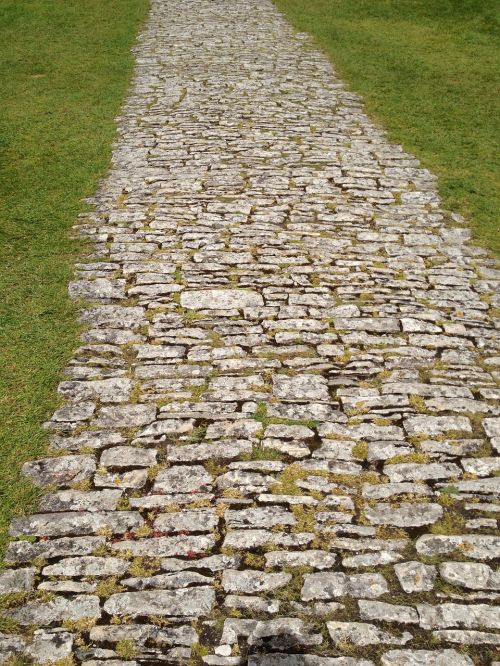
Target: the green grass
pixel 64 69
pixel 429 71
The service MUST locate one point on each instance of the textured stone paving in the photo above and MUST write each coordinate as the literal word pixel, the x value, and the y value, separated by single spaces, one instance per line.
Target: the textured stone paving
pixel 278 441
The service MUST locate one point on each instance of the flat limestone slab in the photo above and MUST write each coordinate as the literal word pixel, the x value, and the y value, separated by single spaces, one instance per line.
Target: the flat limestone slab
pixel 220 299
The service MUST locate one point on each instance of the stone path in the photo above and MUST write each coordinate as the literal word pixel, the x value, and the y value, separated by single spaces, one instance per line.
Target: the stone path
pixel 278 440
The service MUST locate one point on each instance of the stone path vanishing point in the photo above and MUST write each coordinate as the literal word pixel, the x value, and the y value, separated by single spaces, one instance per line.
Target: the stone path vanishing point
pixel 279 436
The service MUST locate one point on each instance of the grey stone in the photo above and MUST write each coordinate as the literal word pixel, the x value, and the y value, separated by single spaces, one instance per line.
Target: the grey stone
pixel 266 517
pixel 425 658
pixel 480 616
pixel 174 635
pixel 250 582
pixel 180 479
pixel 406 514
pixel 220 299
pixel 251 604
pixel 16 580
pixel 305 660
pixel 421 472
pixel 79 500
pixel 50 645
pixel 317 559
pixel 115 389
pixel 191 602
pixel 477 547
pixel 24 551
pixel 436 425
pixel 171 546
pixel 386 490
pixel 372 559
pixel 472 575
pixel 362 634
pixel 199 520
pixel 98 289
pixel 125 416
pixel 170 581
pixel 75 523
pixel 332 585
pixel 87 566
pixel 227 450
pixel 135 478
pixel 60 471
pixel 468 637
pixel 300 388
pixel 244 539
pixel 56 611
pixel 378 610
pixel 128 456
pixel 415 576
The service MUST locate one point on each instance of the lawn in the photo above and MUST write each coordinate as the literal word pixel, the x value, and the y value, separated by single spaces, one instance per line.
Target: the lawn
pixel 429 72
pixel 64 69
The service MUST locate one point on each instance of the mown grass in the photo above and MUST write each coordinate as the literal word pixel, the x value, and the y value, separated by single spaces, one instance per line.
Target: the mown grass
pixel 429 72
pixel 64 69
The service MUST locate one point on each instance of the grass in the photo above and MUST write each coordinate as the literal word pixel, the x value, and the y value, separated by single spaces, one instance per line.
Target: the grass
pixel 64 68
pixel 429 72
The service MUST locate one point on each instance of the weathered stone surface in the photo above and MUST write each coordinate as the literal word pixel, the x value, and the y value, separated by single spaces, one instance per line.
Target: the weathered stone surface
pixel 421 472
pixel 24 551
pixel 405 515
pixel 304 660
pixel 135 478
pixel 317 559
pixel 60 471
pixel 78 500
pixel 436 425
pixel 467 637
pixel 372 559
pixel 75 523
pixel 378 610
pixel 220 299
pixel 180 479
pixel 125 416
pixel 457 615
pixel 87 566
pixel 472 575
pixel 227 450
pixel 17 580
pixel 98 289
pixel 386 490
pixel 250 582
pixel 248 604
pixel 170 581
pixel 477 547
pixel 128 456
pixel 244 539
pixel 212 563
pixel 115 389
pixel 199 520
pixel 56 611
pixel 49 645
pixel 415 576
pixel 362 633
pixel 171 546
pixel 266 517
pixel 425 658
pixel 174 635
pixel 178 603
pixel 301 388
pixel 333 585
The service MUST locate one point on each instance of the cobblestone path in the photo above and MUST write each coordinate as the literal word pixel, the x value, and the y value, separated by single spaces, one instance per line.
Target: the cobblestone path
pixel 278 440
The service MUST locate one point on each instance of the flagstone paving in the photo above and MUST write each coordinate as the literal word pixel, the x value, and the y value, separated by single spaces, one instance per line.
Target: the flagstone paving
pixel 278 439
